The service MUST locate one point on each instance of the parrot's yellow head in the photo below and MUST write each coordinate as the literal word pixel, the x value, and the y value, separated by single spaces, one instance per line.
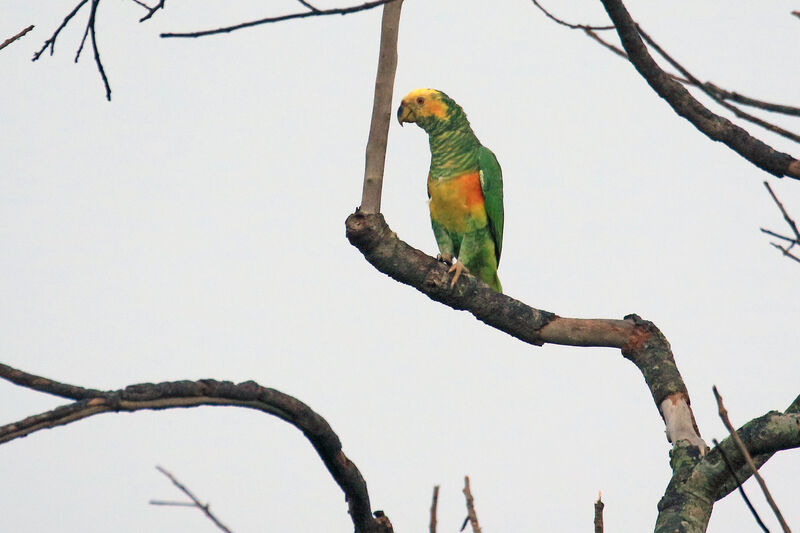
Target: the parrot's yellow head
pixel 428 108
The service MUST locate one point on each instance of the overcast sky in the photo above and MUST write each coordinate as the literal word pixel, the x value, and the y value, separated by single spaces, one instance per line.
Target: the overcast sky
pixel 194 228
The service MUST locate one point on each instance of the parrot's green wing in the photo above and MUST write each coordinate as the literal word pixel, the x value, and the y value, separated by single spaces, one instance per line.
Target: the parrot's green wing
pixel 492 185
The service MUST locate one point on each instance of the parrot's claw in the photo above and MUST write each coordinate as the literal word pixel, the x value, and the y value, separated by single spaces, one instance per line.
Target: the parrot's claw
pixel 458 268
pixel 447 259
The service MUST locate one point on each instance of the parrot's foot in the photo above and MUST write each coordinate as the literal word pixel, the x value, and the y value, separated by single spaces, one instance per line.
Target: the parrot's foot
pixel 447 259
pixel 458 268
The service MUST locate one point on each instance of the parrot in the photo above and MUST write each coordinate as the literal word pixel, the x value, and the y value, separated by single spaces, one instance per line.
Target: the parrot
pixel 465 187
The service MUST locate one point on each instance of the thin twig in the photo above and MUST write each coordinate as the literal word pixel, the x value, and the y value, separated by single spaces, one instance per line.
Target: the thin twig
pixel 568 24
pixel 723 414
pixel 740 487
pixel 786 251
pixel 472 516
pixel 51 42
pixel 309 6
pixel 17 36
pixel 171 504
pixel 92 18
pixel 196 503
pixel 720 93
pixel 752 102
pixel 151 10
pixel 714 95
pixel 268 20
pixel 779 236
pixel 434 505
pixel 786 216
pixel 598 513
pixel 375 157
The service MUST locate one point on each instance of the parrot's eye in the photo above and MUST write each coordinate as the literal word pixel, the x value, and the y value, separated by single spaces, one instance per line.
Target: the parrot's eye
pixel 420 100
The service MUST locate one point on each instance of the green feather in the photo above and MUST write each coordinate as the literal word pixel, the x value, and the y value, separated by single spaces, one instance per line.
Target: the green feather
pixel 492 185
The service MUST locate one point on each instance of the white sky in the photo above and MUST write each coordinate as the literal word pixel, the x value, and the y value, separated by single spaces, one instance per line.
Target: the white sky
pixel 194 228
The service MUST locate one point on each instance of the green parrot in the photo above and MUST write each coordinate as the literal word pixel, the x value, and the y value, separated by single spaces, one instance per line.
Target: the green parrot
pixel 465 186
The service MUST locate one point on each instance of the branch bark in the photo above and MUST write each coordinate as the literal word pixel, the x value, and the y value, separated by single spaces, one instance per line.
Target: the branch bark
pixel 381 109
pixel 170 395
pixel 640 341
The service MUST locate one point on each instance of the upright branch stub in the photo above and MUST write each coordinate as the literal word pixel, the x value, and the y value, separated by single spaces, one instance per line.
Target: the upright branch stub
pixel 381 109
pixel 713 126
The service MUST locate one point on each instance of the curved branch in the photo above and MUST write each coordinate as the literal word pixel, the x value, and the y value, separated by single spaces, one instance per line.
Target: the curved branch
pixel 713 126
pixel 640 341
pixel 171 395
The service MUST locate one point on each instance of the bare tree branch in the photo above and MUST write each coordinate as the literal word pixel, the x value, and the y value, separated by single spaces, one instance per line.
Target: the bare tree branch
pixel 150 10
pixel 51 42
pixel 639 340
pixel 741 488
pixel 598 513
pixel 434 505
pixel 381 110
pixel 752 102
pixel 15 37
pixel 309 6
pixel 723 414
pixel 567 24
pixel 793 241
pixel 472 516
pixel 713 126
pixel 719 92
pixel 195 502
pixel 170 395
pixel 716 95
pixel 268 20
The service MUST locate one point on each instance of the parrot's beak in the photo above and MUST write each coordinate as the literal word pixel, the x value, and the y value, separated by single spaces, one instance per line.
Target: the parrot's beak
pixel 405 114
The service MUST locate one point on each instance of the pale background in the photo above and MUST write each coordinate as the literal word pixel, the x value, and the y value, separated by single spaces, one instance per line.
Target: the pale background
pixel 194 228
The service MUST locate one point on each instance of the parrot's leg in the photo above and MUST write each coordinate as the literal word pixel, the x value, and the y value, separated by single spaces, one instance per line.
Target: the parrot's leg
pixel 447 247
pixel 458 268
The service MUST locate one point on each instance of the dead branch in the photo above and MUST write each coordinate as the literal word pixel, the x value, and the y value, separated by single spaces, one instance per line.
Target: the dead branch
pixel 598 513
pixel 150 10
pixel 381 109
pixel 740 487
pixel 793 241
pixel 723 414
pixel 639 340
pixel 171 395
pixel 472 516
pixel 434 505
pixel 205 507
pixel 719 92
pixel 51 42
pixel 15 37
pixel 568 24
pixel 89 31
pixel 304 14
pixel 715 95
pixel 713 126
